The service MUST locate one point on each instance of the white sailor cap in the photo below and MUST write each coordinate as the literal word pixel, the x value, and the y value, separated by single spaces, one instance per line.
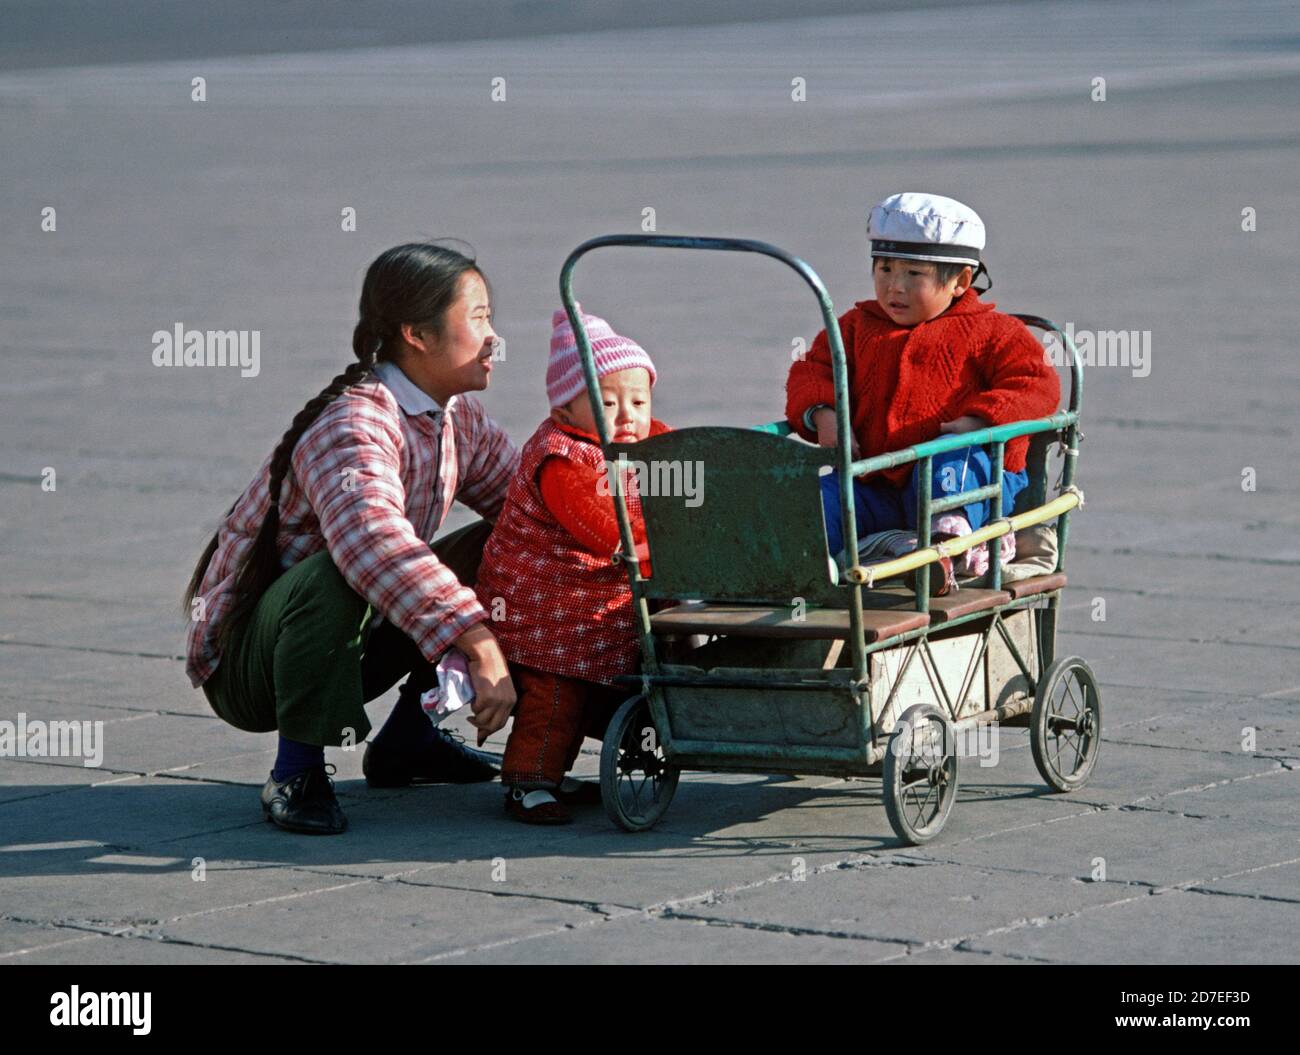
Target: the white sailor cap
pixel 916 226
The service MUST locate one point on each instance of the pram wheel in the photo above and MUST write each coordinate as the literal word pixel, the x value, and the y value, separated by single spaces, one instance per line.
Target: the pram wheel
pixel 1065 725
pixel 636 781
pixel 920 774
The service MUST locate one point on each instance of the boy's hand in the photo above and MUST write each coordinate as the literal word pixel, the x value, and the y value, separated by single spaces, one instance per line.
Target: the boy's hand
pixel 824 420
pixel 965 423
pixel 494 692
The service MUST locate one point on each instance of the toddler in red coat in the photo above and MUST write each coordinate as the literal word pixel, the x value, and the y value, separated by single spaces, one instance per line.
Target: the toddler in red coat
pixel 560 607
pixel 925 357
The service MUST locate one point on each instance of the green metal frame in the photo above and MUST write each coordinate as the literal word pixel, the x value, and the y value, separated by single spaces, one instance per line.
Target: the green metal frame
pixel 653 678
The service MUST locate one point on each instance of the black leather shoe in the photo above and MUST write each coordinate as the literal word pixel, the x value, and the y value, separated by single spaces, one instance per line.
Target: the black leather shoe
pixel 304 803
pixel 447 760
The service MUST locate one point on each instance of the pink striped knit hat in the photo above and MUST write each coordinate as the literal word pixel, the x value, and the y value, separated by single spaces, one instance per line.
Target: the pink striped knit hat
pixel 564 378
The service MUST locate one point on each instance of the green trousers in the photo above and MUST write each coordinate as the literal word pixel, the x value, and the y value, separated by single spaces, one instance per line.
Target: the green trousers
pixel 308 660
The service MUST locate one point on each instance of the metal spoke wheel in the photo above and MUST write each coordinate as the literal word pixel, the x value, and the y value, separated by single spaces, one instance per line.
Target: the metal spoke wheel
pixel 1065 726
pixel 920 774
pixel 636 781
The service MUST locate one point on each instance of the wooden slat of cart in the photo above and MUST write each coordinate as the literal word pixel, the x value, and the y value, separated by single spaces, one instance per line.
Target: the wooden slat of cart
pixel 824 624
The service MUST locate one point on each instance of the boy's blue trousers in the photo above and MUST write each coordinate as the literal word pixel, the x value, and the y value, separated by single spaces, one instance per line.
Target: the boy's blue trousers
pixel 879 505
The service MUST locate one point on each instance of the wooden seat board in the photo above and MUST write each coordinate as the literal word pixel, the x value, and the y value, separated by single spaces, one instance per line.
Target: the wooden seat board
pixel 826 624
pixel 965 602
pixel 1036 584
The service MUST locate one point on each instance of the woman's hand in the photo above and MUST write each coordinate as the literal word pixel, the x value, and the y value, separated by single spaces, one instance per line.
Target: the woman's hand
pixel 824 421
pixel 494 692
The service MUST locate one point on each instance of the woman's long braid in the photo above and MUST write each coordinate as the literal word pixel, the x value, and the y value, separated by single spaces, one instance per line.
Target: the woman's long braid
pixel 363 344
pixel 262 566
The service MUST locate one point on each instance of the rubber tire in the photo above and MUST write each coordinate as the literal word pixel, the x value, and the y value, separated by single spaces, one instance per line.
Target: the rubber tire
pixel 1038 723
pixel 893 776
pixel 631 719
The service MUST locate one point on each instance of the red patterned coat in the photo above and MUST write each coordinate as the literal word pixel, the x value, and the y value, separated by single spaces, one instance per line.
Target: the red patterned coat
pixel 554 605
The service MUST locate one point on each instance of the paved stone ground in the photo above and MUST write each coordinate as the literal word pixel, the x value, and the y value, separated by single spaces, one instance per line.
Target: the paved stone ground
pixel 1116 214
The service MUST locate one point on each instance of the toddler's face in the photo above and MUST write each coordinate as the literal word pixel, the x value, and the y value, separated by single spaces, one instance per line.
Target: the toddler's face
pixel 626 397
pixel 910 292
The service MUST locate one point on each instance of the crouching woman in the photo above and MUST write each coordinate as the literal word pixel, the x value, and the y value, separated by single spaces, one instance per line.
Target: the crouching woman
pixel 323 586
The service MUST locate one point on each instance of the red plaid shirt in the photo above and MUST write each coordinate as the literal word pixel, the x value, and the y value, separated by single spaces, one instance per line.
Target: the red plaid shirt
pixel 372 482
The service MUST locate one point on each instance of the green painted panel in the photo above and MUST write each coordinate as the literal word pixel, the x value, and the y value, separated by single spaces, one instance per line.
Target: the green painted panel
pixel 733 514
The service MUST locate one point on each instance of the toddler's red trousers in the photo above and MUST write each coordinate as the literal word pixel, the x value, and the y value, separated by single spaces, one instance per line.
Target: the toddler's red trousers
pixel 551 718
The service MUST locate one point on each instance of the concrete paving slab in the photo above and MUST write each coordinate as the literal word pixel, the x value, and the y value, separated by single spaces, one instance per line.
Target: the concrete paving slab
pixel 125 626
pixel 908 901
pixel 252 765
pixel 853 810
pixel 113 889
pixel 456 833
pixel 1243 623
pixel 1169 663
pixel 961 956
pixel 1150 847
pixel 152 743
pixel 380 841
pixel 1266 802
pixel 51 710
pixel 710 849
pixel 637 939
pixel 1127 707
pixel 1106 565
pixel 380 922
pixel 27 779
pixel 73 676
pixel 1138 773
pixel 130 812
pixel 1158 929
pixel 126 950
pixel 1279 882
pixel 17 939
pixel 1221 726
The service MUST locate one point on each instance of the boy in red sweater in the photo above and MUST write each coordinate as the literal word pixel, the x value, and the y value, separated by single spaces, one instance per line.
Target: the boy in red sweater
pixel 925 358
pixel 561 608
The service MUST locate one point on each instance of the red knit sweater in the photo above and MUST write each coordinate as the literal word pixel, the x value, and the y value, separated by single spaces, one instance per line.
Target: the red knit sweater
pixel 904 381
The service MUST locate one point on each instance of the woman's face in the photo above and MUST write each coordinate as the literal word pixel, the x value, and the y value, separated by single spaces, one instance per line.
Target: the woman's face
pixel 460 359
